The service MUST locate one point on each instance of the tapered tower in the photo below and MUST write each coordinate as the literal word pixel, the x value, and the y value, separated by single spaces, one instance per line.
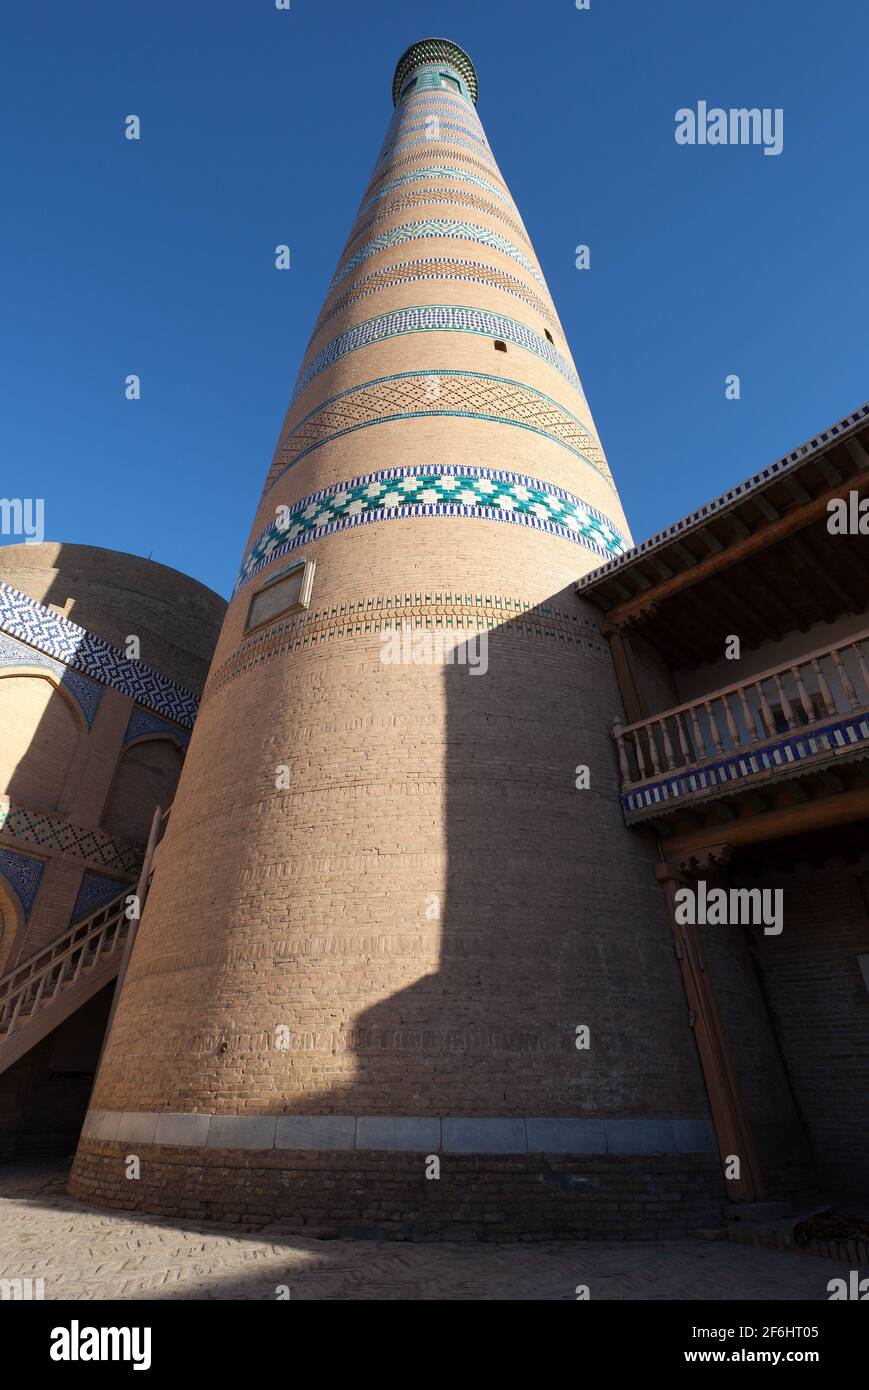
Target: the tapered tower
pixel 389 906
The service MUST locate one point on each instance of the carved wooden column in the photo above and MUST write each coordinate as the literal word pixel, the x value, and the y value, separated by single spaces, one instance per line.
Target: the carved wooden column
pixel 729 1114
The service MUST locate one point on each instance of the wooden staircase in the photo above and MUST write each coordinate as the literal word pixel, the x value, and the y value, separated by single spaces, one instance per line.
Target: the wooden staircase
pixel 45 990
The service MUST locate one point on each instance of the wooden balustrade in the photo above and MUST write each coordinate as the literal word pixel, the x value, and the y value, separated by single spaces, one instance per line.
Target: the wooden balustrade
pixel 798 695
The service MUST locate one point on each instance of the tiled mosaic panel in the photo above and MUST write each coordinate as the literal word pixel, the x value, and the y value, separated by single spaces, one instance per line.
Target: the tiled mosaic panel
pixel 435 490
pixel 472 395
pixel 432 173
pixel 94 893
pixel 434 268
pixel 47 832
pixel 56 636
pixel 23 873
pixel 429 77
pixel 847 733
pixel 443 229
pixel 437 318
pixel 430 129
pixel 142 722
pixel 450 156
pixel 447 138
pixel 86 693
pixel 466 612
pixel 435 195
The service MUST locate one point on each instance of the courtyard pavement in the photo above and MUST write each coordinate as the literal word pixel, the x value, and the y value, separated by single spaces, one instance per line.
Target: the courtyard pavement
pixel 83 1253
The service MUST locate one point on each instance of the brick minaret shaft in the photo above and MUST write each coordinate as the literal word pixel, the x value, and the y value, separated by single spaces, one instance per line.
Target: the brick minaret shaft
pixel 386 950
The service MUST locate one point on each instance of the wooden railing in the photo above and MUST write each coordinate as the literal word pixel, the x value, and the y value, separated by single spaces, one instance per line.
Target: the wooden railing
pixel 30 987
pixel 796 696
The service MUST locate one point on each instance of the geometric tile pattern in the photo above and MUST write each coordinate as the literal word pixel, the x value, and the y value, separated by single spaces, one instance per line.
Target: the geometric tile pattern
pixel 447 612
pixel 86 693
pixel 46 832
pixel 452 140
pixel 94 893
pixel 443 229
pixel 433 490
pixel 434 268
pixel 64 640
pixel 454 157
pixel 469 395
pixel 434 196
pixel 435 171
pixel 23 873
pixel 142 722
pixel 437 318
pixel 851 732
pixel 404 128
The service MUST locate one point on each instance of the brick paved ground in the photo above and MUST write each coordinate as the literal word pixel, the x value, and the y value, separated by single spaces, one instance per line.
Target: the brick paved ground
pixel 82 1253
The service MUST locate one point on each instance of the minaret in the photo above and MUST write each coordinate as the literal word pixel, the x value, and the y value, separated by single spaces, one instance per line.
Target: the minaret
pixel 388 904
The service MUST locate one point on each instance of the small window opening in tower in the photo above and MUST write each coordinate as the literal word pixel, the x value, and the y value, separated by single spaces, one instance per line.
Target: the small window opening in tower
pixel 499 346
pixel 446 79
pixel 549 335
pixel 410 86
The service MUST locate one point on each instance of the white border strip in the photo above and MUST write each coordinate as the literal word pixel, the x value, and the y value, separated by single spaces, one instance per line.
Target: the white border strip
pixel 403 1133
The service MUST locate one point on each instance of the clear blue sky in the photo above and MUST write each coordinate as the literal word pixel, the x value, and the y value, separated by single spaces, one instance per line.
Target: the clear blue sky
pixel 260 127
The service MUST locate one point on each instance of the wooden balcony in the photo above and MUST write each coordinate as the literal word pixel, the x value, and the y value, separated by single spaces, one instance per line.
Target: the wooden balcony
pixel 804 717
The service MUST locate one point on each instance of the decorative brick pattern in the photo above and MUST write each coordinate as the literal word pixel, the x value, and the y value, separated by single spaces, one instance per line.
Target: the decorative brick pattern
pixel 490 494
pixel 430 612
pixel 23 873
pixel 407 160
pixel 460 141
pixel 47 832
pixel 444 229
pixel 437 318
pixel 432 173
pixel 434 268
pixel 57 637
pixel 95 892
pixel 86 693
pixel 470 395
pixel 433 195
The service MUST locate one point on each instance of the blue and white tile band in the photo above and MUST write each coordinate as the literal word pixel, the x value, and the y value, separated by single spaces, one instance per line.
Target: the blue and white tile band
pixel 435 171
pixel 490 494
pixel 58 637
pixel 437 318
pixel 444 229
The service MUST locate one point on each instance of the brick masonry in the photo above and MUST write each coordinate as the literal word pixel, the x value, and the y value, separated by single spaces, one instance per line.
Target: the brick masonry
pixel 427 906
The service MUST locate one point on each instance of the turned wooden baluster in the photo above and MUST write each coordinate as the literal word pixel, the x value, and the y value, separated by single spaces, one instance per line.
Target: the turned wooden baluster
pixel 687 755
pixel 829 702
pixel 716 736
pixel 848 688
pixel 785 703
pixel 699 740
pixel 748 715
pixel 653 748
pixel 805 698
pixel 765 711
pixel 864 670
pixel 731 723
pixel 668 747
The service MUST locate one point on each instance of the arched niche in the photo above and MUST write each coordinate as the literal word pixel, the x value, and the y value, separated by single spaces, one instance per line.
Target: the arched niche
pixel 146 777
pixel 40 728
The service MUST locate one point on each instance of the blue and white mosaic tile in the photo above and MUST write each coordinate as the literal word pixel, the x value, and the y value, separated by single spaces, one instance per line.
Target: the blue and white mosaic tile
pixel 56 636
pixel 437 318
pixel 848 733
pixel 433 490
pixel 86 693
pixel 444 229
pixel 435 171
pixel 143 722
pixel 23 873
pixel 94 893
